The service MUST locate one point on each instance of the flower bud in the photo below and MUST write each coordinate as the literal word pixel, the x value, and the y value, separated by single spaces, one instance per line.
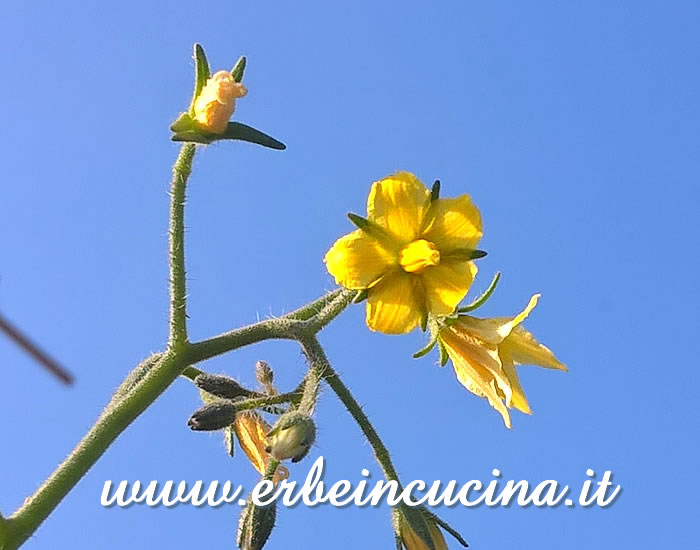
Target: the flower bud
pixel 413 541
pixel 221 386
pixel 255 526
pixel 291 436
pixel 264 373
pixel 217 101
pixel 213 416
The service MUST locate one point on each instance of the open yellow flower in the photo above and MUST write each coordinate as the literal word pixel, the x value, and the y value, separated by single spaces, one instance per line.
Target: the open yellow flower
pixel 413 255
pixel 484 353
pixel 251 430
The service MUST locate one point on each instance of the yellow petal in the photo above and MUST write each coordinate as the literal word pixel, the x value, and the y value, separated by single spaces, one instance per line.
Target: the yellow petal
pixel 496 329
pixel 526 350
pixel 395 304
pixel 453 223
pixel 358 260
pixel 469 364
pixel 251 429
pixel 217 101
pixel 398 204
pixel 518 400
pixel 447 284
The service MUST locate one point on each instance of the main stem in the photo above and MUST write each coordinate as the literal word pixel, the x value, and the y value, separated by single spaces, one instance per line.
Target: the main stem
pixel 124 410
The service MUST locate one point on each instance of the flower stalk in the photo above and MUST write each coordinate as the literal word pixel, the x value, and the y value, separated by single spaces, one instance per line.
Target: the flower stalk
pixel 314 351
pixel 178 285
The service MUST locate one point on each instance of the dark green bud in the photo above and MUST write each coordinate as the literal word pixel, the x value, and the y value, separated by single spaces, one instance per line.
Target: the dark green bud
pixel 213 416
pixel 221 386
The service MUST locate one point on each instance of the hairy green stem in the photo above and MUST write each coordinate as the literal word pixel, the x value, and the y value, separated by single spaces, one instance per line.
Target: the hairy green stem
pixel 287 327
pixel 267 400
pixel 305 313
pixel 150 379
pixel 153 376
pixel 192 372
pixel 270 469
pixel 317 367
pixel 140 390
pixel 178 284
pixel 313 349
pixel 113 421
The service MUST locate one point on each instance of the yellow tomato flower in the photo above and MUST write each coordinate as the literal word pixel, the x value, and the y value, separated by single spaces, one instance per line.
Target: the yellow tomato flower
pixel 484 353
pixel 251 429
pixel 413 255
pixel 217 101
pixel 412 541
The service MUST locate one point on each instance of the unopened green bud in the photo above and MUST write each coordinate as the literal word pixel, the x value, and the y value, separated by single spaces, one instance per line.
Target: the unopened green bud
pixel 255 526
pixel 291 436
pixel 264 373
pixel 213 416
pixel 221 386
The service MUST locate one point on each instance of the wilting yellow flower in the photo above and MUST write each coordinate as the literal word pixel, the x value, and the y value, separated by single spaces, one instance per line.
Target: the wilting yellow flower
pixel 412 541
pixel 413 256
pixel 251 429
pixel 484 353
pixel 217 101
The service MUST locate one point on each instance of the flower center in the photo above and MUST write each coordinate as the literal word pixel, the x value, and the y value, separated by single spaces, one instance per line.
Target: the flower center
pixel 415 257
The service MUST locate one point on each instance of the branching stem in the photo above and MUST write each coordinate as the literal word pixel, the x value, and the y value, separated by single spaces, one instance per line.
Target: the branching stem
pixel 155 374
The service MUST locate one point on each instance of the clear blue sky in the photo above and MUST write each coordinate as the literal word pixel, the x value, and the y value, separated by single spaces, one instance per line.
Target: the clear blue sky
pixel 574 126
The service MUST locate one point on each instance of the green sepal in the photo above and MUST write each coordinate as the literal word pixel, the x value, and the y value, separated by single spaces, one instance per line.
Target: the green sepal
pixel 426 350
pixel 239 69
pixel 481 300
pixel 359 221
pixel 449 320
pixel 424 321
pixel 234 131
pixel 415 518
pixel 371 228
pixel 361 296
pixel 243 132
pixel 184 123
pixel 201 74
pixel 193 137
pixel 465 254
pixel 444 357
pixel 435 191
pixel 447 527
